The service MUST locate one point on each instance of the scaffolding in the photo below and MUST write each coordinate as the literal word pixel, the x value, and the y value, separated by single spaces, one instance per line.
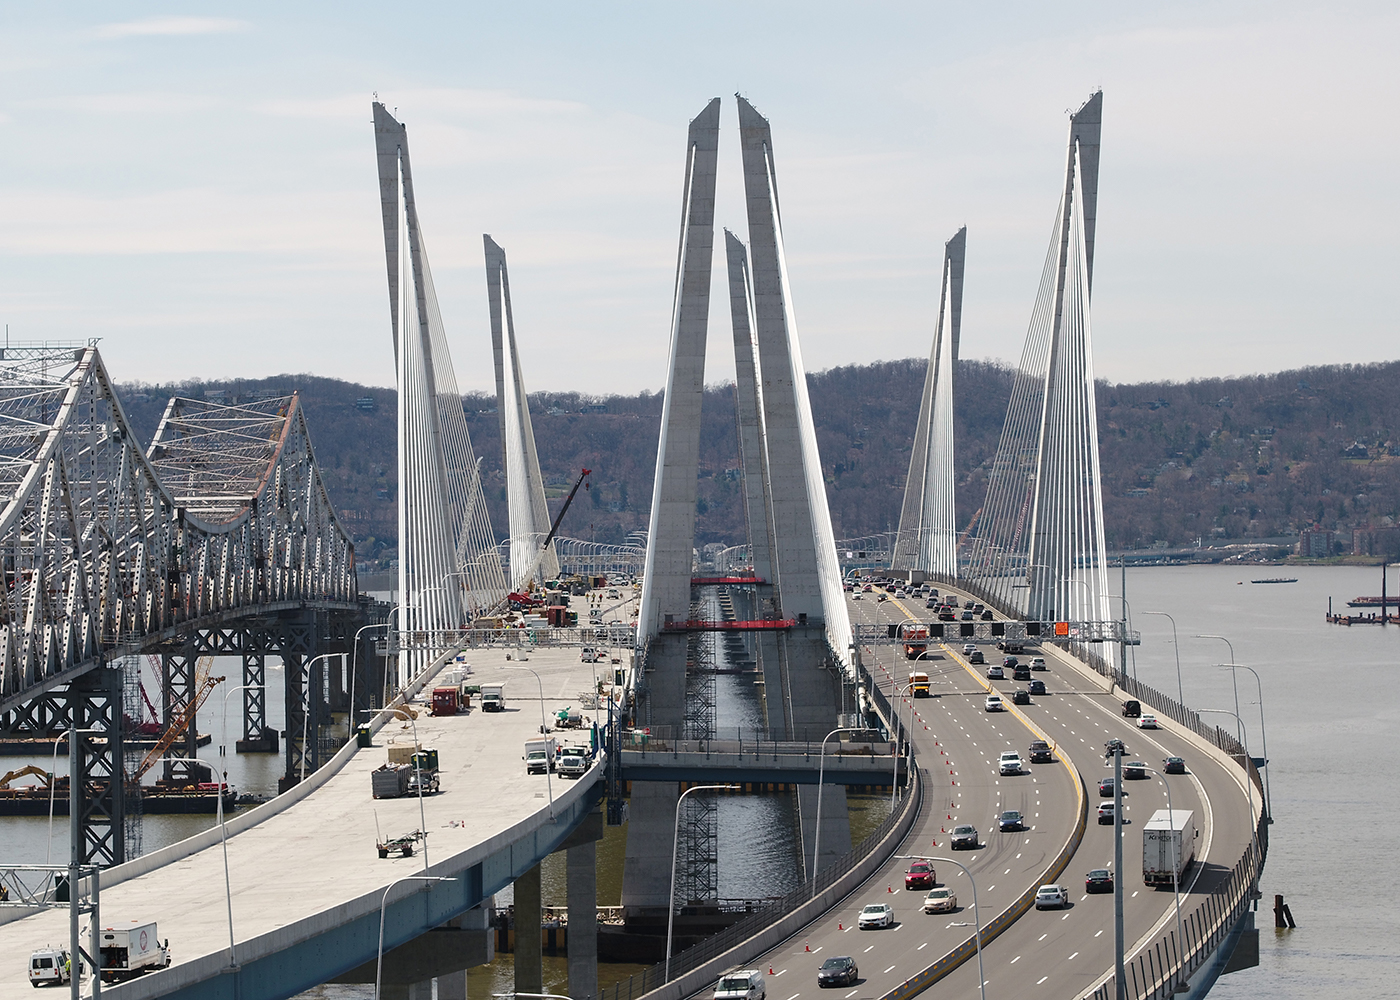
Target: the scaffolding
pixel 132 754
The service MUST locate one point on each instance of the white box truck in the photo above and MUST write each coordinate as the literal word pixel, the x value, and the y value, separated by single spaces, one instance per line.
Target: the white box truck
pixel 1168 845
pixel 493 697
pixel 129 951
pixel 539 755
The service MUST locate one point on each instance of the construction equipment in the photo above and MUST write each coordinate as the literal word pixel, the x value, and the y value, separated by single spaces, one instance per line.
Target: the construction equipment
pixel 178 725
pixel 523 601
pixel 22 772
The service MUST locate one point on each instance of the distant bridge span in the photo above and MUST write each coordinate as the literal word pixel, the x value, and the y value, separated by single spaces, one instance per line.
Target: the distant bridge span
pixel 107 550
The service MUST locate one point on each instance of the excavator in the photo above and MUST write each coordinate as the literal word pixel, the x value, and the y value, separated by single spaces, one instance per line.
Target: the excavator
pixel 204 687
pixel 23 772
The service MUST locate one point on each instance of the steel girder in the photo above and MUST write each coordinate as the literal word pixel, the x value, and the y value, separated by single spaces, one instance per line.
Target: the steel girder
pixel 98 554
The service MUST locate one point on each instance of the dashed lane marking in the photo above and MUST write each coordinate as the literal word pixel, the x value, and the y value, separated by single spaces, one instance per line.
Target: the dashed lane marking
pixel 1041 980
pixel 1072 957
pixel 888 971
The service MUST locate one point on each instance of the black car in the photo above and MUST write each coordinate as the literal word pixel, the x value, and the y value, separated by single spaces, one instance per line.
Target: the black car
pixel 1106 788
pixel 1010 662
pixel 1132 709
pixel 1021 672
pixel 1010 821
pixel 1134 770
pixel 838 971
pixel 1040 752
pixel 987 615
pixel 1020 697
pixel 1114 746
pixel 1174 765
pixel 1099 880
pixel 1036 687
pixel 976 658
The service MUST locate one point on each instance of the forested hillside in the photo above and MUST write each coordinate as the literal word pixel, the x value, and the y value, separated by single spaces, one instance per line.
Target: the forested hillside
pixel 1251 457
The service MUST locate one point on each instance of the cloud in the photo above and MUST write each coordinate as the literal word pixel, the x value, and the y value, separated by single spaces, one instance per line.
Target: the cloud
pixel 171 26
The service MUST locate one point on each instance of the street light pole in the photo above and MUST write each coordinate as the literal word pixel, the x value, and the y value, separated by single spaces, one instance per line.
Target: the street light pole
pixel 306 709
pixel 817 821
pixel 544 730
pixel 379 959
pixel 675 845
pixel 976 914
pixel 403 713
pixel 223 828
pixel 1240 731
pixel 1180 697
pixel 1264 733
pixel 1119 972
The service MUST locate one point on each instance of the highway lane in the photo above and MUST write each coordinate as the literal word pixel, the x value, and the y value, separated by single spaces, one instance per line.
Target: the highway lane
pixel 1064 953
pixel 959 751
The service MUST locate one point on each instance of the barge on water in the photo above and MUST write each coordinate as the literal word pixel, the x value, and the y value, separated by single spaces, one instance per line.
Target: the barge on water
pixel 156 800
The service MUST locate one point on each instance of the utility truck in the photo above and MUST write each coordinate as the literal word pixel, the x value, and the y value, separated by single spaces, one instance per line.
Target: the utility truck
pixel 573 760
pixel 127 952
pixel 539 755
pixel 1168 845
pixel 915 636
pixel 493 697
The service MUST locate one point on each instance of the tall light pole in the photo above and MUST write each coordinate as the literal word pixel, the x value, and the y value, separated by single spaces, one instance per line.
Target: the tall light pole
pixel 675 844
pixel 379 959
pixel 1180 697
pixel 817 821
pixel 1176 863
pixel 306 709
pixel 976 915
pixel 1239 732
pixel 223 829
pixel 544 730
pixel 1248 781
pixel 1119 972
pixel 1264 733
pixel 894 752
pixel 403 713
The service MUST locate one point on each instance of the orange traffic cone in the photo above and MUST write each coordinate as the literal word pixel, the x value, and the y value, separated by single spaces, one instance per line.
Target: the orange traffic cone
pixel 889 888
pixel 770 970
pixel 839 927
pixel 807 947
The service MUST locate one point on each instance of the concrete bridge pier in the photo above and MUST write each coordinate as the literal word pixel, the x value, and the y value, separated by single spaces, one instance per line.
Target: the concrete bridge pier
pixel 529 959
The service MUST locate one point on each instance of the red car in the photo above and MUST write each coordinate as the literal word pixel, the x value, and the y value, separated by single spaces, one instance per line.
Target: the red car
pixel 920 876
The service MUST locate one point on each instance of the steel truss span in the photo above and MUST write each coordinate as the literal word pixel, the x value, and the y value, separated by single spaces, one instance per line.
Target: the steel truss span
pixel 1040 543
pixel 927 539
pixel 106 550
pixel 449 568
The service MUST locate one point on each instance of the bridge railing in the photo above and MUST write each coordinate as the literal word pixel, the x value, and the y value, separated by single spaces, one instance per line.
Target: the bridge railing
pixel 754 742
pixel 713 947
pixel 1156 970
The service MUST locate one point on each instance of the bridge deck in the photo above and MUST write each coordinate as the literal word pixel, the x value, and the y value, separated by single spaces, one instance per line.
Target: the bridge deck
pixel 320 853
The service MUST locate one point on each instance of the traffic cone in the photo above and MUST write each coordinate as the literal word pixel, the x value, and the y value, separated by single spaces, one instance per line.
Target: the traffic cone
pixel 839 927
pixel 807 947
pixel 770 970
pixel 889 888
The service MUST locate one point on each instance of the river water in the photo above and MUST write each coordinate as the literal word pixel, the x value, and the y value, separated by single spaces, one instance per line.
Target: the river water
pixel 1332 708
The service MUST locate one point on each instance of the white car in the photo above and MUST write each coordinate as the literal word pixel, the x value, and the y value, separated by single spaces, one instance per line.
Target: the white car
pixel 1051 897
pixel 876 915
pixel 1010 763
pixel 969 647
pixel 1147 721
pixel 1037 663
pixel 855 595
pixel 993 703
pixel 940 901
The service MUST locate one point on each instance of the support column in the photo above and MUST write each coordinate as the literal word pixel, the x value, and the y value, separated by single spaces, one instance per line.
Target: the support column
pixel 529 967
pixel 452 986
pixel 421 991
pixel 583 921
pixel 835 823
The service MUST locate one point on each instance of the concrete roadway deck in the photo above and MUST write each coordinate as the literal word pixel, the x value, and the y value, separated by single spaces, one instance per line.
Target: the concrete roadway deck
pixel 311 868
pixel 1044 953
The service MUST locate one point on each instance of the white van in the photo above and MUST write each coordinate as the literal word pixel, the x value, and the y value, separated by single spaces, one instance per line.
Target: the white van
pixel 746 984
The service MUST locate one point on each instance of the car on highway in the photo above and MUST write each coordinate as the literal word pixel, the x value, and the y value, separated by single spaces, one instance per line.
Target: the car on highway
pixel 839 970
pixel 920 876
pixel 882 597
pixel 1040 752
pixel 1038 663
pixel 976 658
pixel 876 915
pixel 1036 687
pixel 967 616
pixel 1147 721
pixel 1010 821
pixel 1010 662
pixel 1051 897
pixel 1021 672
pixel 964 838
pixel 995 673
pixel 941 900
pixel 855 596
pixel 1106 788
pixel 1106 814
pixel 993 703
pixel 1132 708
pixel 868 588
pixel 1099 880
pixel 1010 763
pixel 969 647
pixel 932 602
pixel 987 615
pixel 1174 765
pixel 1134 770
pixel 1114 746
pixel 1020 697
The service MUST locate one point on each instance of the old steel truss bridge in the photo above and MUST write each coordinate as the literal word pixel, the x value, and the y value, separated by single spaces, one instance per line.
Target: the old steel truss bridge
pixel 219 539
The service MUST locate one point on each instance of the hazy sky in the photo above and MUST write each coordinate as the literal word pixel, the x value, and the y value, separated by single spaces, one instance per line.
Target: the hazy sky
pixel 196 183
